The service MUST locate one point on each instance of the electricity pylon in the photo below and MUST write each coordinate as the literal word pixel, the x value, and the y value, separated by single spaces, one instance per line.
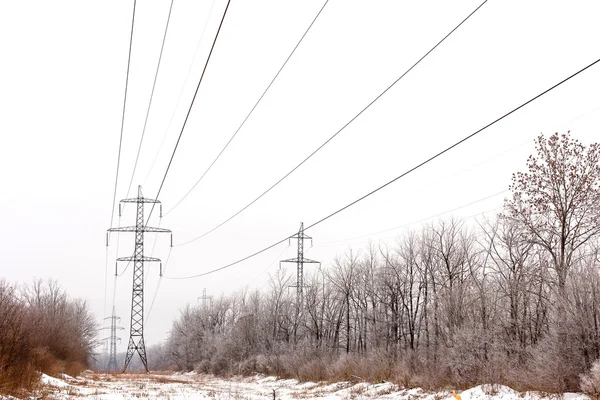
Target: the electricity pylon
pixel 112 357
pixel 300 260
pixel 136 330
pixel 205 298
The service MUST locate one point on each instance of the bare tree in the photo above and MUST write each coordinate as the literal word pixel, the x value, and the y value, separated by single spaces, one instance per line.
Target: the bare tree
pixel 557 199
pixel 343 278
pixel 512 262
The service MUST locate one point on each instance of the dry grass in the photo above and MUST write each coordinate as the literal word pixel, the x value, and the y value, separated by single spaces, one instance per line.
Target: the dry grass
pixel 164 379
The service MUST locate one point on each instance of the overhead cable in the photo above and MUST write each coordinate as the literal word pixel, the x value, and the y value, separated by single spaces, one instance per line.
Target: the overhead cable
pixel 450 147
pixel 418 221
pixel 190 108
pixel 447 149
pixel 162 142
pixel 105 280
pixel 137 157
pixel 112 215
pixel 233 263
pixel 335 134
pixel 158 286
pixel 251 110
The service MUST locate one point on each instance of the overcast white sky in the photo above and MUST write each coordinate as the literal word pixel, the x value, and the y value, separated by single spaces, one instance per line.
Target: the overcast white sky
pixel 62 78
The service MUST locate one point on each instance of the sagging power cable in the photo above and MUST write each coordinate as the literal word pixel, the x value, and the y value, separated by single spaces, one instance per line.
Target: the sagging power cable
pixel 162 47
pixel 411 170
pixel 336 133
pixel 250 112
pixel 189 109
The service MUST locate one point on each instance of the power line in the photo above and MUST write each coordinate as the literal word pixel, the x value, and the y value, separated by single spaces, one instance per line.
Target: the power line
pixel 452 146
pixel 137 157
pixel 112 215
pixel 445 212
pixel 401 175
pixel 105 279
pixel 233 263
pixel 154 247
pixel 126 266
pixel 191 105
pixel 153 299
pixel 158 286
pixel 336 133
pixel 116 272
pixel 251 110
pixel 114 297
pixel 477 214
pixel 161 272
pixel 180 94
pixel 442 178
pixel 269 266
pixel 376 233
pixel 418 221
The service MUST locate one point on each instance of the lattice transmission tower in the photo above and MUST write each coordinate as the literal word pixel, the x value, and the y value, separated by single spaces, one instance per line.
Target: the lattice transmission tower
pixel 136 330
pixel 300 260
pixel 112 340
pixel 206 299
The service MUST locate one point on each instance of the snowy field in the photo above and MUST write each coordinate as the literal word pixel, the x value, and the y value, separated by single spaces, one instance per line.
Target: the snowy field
pixel 193 386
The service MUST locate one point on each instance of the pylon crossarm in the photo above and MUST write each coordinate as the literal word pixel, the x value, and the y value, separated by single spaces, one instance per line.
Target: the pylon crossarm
pixel 142 229
pixel 306 260
pixel 122 229
pixel 151 229
pixel 140 200
pixel 303 260
pixel 144 258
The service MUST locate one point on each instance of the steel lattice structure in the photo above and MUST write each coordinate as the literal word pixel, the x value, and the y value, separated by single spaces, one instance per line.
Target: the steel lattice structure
pixel 112 358
pixel 204 299
pixel 136 331
pixel 300 260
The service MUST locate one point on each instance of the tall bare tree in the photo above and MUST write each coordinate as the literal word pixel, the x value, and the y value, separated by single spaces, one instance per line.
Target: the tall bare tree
pixel 557 200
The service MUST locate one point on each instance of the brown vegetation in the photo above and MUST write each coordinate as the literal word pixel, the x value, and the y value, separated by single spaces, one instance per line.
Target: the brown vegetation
pixel 41 330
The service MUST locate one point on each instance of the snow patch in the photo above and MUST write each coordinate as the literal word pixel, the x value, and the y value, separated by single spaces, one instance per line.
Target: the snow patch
pixel 66 377
pixel 488 392
pixel 306 385
pixel 49 380
pixel 575 396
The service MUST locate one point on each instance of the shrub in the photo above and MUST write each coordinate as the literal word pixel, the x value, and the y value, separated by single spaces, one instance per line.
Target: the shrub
pixel 590 381
pixel 42 330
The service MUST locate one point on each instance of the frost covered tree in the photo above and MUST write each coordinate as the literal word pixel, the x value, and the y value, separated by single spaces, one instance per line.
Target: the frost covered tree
pixel 512 300
pixel 557 200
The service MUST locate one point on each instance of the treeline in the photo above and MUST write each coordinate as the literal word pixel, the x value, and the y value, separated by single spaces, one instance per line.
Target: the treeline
pixel 42 330
pixel 442 306
pixel 512 300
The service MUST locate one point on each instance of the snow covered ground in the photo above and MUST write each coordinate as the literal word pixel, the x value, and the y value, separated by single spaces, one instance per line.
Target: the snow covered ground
pixel 193 386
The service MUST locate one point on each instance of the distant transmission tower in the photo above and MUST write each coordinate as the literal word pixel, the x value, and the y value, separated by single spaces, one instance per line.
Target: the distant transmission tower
pixel 205 299
pixel 300 260
pixel 112 358
pixel 136 330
